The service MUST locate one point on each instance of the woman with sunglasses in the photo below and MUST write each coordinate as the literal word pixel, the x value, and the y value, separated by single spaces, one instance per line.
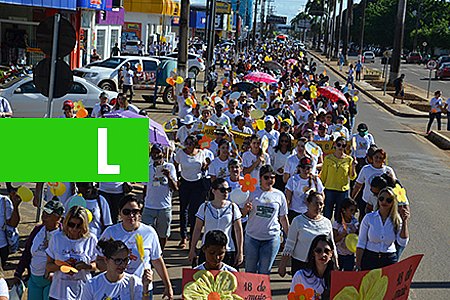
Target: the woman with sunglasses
pixel 337 171
pixel 380 230
pixel 278 157
pixel 193 185
pixel 115 283
pixel 129 231
pixel 299 186
pixel 377 167
pixel 73 247
pixel 317 274
pixel 122 104
pixel 290 168
pixel 255 158
pixel 267 211
pixel 303 230
pixel 221 214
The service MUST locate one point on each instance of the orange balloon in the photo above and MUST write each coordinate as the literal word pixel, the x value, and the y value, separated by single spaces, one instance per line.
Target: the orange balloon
pixel 170 81
pixel 82 113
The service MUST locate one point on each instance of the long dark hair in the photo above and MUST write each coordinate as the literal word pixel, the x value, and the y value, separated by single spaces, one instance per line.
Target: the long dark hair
pixel 311 265
pixel 111 247
pixel 278 146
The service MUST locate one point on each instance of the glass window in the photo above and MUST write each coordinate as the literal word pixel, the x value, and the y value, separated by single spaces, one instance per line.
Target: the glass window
pixel 114 37
pixel 150 66
pixel 28 88
pixel 101 36
pixel 133 64
pixel 77 88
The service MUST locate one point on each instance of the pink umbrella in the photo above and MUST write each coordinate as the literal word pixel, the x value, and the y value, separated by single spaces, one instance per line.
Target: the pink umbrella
pixel 332 93
pixel 260 77
pixel 291 61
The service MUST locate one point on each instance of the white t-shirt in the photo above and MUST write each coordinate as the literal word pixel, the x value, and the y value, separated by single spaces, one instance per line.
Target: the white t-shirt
pixel 96 111
pixel 231 115
pixel 278 159
pixel 100 288
pixel 341 129
pixel 245 129
pixel 367 173
pixel 299 186
pixel 263 221
pixel 248 158
pixel 152 249
pixel 307 278
pixel 183 109
pixel 292 162
pixel 65 286
pixel 302 116
pixel 128 77
pixel 219 219
pixel 362 144
pixel 111 187
pixel 191 166
pixel 9 211
pixel 4 290
pixel 223 120
pixel 435 105
pixel 38 254
pixel 223 267
pixel 159 194
pixel 273 136
pixel 219 168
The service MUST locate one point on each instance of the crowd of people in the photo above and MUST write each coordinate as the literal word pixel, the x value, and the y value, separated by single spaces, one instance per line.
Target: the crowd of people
pixel 274 169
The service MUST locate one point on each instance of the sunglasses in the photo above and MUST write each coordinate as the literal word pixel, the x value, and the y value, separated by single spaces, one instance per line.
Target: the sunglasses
pixel 319 251
pixel 224 189
pixel 120 261
pixel 284 141
pixel 339 145
pixel 388 199
pixel 267 177
pixel 74 225
pixel 127 211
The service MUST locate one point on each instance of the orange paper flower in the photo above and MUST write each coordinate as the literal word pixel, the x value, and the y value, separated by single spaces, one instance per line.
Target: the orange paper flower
pixel 300 293
pixel 205 142
pixel 248 183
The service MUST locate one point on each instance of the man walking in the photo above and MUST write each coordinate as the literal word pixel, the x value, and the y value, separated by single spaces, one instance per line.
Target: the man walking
pixel 128 75
pixel 399 88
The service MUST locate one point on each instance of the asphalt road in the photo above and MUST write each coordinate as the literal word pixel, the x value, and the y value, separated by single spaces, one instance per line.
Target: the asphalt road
pixel 416 75
pixel 423 169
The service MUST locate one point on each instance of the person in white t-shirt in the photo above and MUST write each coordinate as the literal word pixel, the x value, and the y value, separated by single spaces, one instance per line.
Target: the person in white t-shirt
pixel 219 166
pixel 278 157
pixel 122 104
pixel 322 134
pixel 158 194
pixel 215 249
pixel 183 108
pixel 255 158
pixel 232 111
pixel 219 117
pixel 34 256
pixel 239 126
pixel 73 247
pixel 115 283
pixel 435 111
pixel 127 75
pixel 219 214
pixel 130 231
pixel 268 131
pixel 96 111
pixel 187 128
pixel 9 215
pixel 362 140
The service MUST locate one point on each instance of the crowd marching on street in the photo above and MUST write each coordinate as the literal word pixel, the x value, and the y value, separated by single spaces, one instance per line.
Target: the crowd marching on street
pixel 272 160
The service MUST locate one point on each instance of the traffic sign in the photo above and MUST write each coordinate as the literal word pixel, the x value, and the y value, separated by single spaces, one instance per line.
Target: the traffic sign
pixel 431 64
pixel 63 79
pixel 387 53
pixel 66 37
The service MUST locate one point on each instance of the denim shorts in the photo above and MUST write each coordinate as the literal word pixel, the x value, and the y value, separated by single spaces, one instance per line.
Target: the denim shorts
pixel 160 219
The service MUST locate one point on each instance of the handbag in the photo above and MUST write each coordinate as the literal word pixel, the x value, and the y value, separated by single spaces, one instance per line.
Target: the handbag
pixel 11 233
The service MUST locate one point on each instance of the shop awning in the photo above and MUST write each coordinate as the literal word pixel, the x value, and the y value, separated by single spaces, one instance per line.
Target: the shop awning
pixel 159 7
pixel 58 4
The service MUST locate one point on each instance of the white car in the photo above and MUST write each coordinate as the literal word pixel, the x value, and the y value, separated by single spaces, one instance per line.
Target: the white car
pixel 27 102
pixel 105 74
pixel 195 62
pixel 369 57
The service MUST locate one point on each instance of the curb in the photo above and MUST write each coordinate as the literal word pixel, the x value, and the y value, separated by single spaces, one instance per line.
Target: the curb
pixel 378 101
pixel 439 140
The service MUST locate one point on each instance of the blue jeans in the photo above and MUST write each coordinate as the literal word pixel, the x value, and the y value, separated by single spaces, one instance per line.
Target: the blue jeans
pixel 38 287
pixel 260 255
pixel 346 262
pixel 333 201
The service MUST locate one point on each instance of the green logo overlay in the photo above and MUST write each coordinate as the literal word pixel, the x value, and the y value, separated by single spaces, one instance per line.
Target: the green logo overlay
pixel 74 150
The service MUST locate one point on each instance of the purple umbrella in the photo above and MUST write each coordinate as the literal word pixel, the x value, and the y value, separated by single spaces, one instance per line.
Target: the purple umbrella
pixel 157 135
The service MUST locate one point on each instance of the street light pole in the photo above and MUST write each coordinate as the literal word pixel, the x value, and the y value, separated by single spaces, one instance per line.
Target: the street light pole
pixel 254 24
pixel 347 29
pixel 183 43
pixel 398 40
pixel 363 24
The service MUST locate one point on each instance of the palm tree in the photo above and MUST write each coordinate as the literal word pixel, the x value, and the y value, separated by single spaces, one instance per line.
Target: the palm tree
pixel 338 29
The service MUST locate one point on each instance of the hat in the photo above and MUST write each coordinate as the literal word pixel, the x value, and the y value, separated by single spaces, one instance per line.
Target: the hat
pixel 68 103
pixel 270 119
pixel 321 111
pixel 219 101
pixel 362 127
pixel 157 147
pixel 305 162
pixel 188 120
pixel 54 207
pixel 206 108
pixel 103 95
pixel 341 117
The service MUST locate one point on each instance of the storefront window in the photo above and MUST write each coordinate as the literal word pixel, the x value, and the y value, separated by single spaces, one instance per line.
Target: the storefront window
pixel 101 36
pixel 114 37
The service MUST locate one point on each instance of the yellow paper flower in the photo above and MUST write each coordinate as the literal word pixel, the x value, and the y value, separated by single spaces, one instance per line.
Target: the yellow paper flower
pixel 140 246
pixel 78 105
pixel 373 287
pixel 205 287
pixel 401 194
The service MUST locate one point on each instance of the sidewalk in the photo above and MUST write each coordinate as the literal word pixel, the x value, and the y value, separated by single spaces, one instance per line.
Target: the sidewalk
pixel 376 93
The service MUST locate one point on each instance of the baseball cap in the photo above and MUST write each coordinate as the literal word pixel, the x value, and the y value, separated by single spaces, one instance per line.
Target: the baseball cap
pixel 341 117
pixel 68 103
pixel 305 162
pixel 54 207
pixel 362 127
pixel 270 119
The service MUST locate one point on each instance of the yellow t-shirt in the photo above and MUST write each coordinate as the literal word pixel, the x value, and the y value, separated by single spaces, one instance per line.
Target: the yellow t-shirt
pixel 335 173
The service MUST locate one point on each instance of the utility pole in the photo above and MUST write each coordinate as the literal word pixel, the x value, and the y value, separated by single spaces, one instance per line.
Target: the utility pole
pixel 327 30
pixel 262 18
pixel 210 38
pixel 332 29
pixel 398 40
pixel 254 24
pixel 236 32
pixel 338 33
pixel 347 28
pixel 363 25
pixel 183 43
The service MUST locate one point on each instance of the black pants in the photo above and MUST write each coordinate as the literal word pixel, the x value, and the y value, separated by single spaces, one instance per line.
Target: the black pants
pixel 4 253
pixel 113 202
pixel 432 116
pixel 372 260
pixel 125 90
pixel 192 195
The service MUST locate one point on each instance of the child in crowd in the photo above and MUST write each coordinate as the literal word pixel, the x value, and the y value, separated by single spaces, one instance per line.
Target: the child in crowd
pixel 215 248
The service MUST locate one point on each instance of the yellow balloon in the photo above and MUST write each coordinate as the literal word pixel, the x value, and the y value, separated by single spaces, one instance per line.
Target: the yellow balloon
pixel 179 80
pixel 25 193
pixel 89 214
pixel 189 102
pixel 58 189
pixel 257 114
pixel 355 98
pixel 260 124
pixel 313 88
pixel 351 241
pixel 313 95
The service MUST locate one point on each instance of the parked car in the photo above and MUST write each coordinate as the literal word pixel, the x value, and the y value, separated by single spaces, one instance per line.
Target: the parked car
pixel 413 58
pixel 443 71
pixel 195 62
pixel 131 47
pixel 369 57
pixel 443 59
pixel 28 102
